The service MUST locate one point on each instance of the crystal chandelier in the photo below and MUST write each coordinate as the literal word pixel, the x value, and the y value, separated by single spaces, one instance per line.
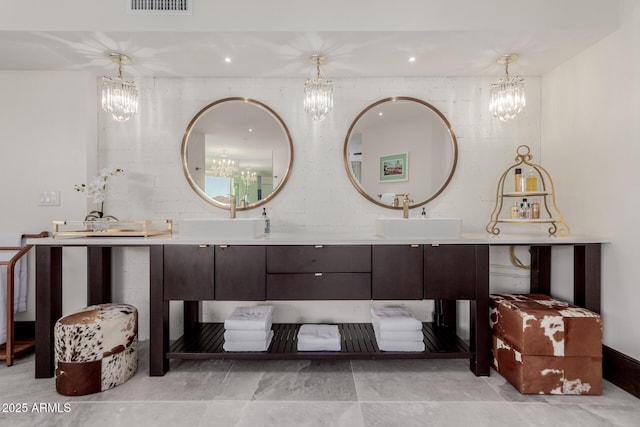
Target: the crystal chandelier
pixel 507 96
pixel 248 177
pixel 223 166
pixel 318 92
pixel 120 98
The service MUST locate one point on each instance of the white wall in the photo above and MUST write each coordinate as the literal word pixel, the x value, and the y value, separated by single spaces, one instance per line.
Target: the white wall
pixel 47 143
pixel 318 196
pixel 590 138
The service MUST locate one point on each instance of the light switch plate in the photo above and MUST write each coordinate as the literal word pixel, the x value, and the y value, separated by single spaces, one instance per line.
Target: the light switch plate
pixel 49 198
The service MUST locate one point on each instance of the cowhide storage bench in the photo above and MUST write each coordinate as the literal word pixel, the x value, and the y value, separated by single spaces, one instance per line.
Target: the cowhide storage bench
pixel 545 346
pixel 96 348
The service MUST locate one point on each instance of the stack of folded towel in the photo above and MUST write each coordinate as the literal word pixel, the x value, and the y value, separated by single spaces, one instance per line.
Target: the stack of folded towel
pixel 318 338
pixel 248 329
pixel 396 329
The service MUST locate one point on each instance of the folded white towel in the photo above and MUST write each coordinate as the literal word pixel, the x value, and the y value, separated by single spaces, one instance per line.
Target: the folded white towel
pixel 238 335
pixel 316 346
pixel 387 198
pixel 13 240
pixel 401 345
pixel 395 318
pixel 316 331
pixel 252 318
pixel 261 345
pixel 385 345
pixel 397 335
pixel 312 337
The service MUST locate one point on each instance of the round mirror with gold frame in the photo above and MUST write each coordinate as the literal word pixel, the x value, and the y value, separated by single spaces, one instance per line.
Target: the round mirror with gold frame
pixel 400 145
pixel 237 150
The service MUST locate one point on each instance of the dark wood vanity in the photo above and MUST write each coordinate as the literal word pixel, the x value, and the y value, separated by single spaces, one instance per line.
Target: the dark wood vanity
pixel 193 273
pixel 274 270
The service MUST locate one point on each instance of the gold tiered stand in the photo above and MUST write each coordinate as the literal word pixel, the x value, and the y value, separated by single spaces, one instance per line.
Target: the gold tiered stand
pixel 549 212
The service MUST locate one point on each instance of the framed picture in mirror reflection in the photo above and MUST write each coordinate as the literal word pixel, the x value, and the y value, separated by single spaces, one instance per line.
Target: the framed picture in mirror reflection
pixel 394 167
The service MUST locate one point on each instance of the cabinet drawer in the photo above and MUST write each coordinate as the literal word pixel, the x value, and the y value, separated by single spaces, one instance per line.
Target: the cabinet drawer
pixel 320 258
pixel 319 286
pixel 188 272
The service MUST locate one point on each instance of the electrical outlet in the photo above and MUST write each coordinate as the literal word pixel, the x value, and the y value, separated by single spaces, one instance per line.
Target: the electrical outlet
pixel 49 198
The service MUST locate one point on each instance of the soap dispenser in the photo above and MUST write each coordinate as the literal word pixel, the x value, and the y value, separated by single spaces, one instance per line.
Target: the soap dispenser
pixel 267 222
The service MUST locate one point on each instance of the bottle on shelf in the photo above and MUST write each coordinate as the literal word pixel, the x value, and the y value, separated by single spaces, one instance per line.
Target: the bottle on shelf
pixel 531 181
pixel 525 209
pixel 535 210
pixel 519 181
pixel 267 222
pixel 515 211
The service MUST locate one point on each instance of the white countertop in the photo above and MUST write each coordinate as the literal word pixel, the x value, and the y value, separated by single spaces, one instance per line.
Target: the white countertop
pixel 316 239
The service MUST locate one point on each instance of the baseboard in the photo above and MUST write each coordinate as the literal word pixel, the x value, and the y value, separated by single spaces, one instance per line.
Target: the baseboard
pixel 26 329
pixel 621 370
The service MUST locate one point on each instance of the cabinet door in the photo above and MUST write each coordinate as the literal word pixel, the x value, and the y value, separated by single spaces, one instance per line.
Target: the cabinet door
pixel 397 272
pixel 240 273
pixel 450 272
pixel 188 272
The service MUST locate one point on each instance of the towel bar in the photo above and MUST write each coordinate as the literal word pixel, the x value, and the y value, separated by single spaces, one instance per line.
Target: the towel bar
pixel 13 346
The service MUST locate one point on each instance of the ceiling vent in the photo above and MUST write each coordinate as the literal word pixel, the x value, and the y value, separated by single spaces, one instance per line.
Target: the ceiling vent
pixel 159 7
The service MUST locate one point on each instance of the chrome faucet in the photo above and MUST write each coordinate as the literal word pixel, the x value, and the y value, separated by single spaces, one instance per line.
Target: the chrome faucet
pixel 405 205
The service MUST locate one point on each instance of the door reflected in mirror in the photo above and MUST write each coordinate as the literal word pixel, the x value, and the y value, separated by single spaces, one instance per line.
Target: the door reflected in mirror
pixel 239 147
pixel 397 146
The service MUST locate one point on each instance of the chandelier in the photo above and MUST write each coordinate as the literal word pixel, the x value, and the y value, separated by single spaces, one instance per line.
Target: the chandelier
pixel 507 96
pixel 248 177
pixel 318 92
pixel 222 167
pixel 120 98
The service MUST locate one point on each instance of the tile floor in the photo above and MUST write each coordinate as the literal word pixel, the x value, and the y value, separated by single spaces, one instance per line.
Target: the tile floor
pixel 306 393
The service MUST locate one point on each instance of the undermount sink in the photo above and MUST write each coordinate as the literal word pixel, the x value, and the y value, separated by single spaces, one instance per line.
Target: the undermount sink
pixel 419 228
pixel 228 228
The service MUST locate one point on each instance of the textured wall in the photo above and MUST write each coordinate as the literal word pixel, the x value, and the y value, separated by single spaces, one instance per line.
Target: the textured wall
pixel 318 196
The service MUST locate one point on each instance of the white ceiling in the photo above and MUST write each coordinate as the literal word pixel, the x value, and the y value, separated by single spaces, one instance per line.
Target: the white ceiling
pixel 362 38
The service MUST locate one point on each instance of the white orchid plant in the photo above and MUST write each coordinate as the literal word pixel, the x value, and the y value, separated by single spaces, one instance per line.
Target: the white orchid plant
pixel 96 190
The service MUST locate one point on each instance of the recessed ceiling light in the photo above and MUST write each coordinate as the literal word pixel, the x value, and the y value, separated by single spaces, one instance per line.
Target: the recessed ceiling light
pixel 227 60
pixel 412 59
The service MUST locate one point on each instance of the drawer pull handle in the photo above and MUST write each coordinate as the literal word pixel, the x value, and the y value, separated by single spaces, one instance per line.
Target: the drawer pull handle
pixel 318 246
pixel 415 246
pixel 224 246
pixel 435 245
pixel 317 274
pixel 204 246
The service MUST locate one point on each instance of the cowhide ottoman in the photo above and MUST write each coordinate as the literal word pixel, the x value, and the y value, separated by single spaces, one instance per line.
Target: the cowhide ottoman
pixel 545 346
pixel 96 348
